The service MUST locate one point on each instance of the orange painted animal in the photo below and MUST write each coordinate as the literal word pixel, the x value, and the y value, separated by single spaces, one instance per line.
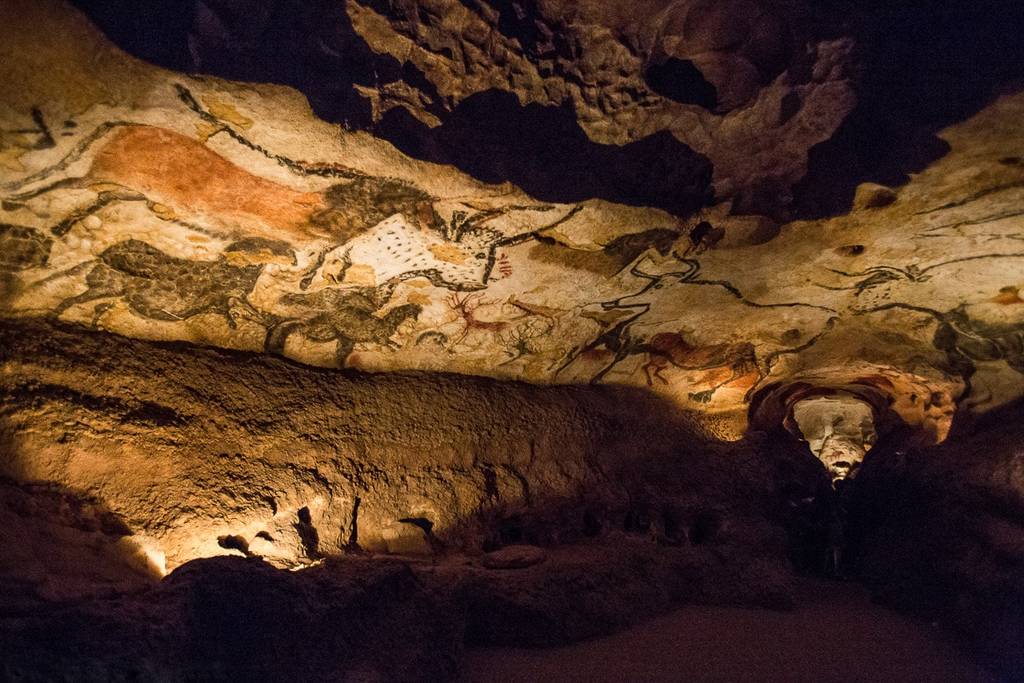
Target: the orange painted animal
pixel 182 178
pixel 1007 296
pixel 190 178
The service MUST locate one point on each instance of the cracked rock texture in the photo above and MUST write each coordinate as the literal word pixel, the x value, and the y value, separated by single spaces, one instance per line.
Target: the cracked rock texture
pixel 749 86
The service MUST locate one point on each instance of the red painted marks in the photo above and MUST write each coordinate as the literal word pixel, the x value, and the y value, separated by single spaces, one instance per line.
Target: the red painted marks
pixel 191 179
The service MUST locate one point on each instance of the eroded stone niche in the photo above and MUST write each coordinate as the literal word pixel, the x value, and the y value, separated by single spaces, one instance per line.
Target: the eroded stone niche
pixel 839 430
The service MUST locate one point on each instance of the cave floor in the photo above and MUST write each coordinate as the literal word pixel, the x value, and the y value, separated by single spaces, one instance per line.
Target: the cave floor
pixel 836 633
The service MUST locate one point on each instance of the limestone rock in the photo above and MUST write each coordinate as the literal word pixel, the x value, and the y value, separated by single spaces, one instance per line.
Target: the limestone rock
pixel 230 216
pixel 873 196
pixel 710 76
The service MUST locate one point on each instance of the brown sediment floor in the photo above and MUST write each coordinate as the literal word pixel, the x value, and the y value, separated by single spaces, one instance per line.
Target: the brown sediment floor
pixel 835 634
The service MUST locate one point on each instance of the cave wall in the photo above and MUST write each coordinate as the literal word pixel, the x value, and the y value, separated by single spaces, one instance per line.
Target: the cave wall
pixel 122 461
pixel 197 452
pixel 161 206
pixel 496 273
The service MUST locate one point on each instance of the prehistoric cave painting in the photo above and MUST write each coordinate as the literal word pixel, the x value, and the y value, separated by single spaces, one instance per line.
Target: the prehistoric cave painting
pixel 181 178
pixel 14 142
pixel 462 256
pixel 975 196
pixel 957 228
pixel 876 276
pixel 158 286
pixel 465 306
pixel 967 341
pixel 670 349
pixel 618 317
pixel 192 196
pixel 343 316
pixel 963 337
pixel 523 339
pixel 22 247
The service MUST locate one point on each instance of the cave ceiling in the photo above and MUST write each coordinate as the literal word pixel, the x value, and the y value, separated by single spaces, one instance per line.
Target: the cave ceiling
pixel 552 192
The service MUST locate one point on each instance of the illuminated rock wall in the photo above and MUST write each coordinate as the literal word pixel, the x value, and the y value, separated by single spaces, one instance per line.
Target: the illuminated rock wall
pixel 164 207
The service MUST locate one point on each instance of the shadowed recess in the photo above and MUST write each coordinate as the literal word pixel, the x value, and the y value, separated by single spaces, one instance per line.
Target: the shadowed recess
pixel 544 151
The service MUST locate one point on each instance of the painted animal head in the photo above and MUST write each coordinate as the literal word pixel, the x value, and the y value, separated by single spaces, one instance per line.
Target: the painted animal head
pixel 395 248
pixel 357 205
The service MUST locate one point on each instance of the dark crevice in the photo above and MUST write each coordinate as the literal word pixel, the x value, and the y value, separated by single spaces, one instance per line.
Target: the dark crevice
pixel 233 542
pixel 422 523
pixel 925 65
pixel 309 45
pixel 543 150
pixel 308 534
pixel 680 80
pixel 353 533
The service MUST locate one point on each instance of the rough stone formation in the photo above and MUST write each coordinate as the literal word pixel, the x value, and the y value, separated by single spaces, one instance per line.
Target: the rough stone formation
pixel 554 323
pixel 940 531
pixel 838 429
pixel 641 103
pixel 219 453
pixel 540 516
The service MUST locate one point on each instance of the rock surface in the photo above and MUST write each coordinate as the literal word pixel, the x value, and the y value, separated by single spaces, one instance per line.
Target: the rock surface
pixel 204 452
pixel 514 557
pixel 525 293
pixel 742 88
pixel 233 618
pixel 167 207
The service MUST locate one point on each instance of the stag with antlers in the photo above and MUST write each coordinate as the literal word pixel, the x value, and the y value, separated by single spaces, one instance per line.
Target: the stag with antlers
pixel 466 305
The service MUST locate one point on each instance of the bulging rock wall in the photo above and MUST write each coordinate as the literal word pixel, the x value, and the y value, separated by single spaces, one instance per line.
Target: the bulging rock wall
pixel 204 452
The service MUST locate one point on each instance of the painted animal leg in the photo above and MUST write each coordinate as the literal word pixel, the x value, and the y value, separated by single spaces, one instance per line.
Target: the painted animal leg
pixel 647 371
pixel 85 297
pixel 462 336
pixel 104 199
pixel 343 347
pixel 43 189
pixel 236 305
pixel 619 355
pixel 654 369
pixel 278 334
